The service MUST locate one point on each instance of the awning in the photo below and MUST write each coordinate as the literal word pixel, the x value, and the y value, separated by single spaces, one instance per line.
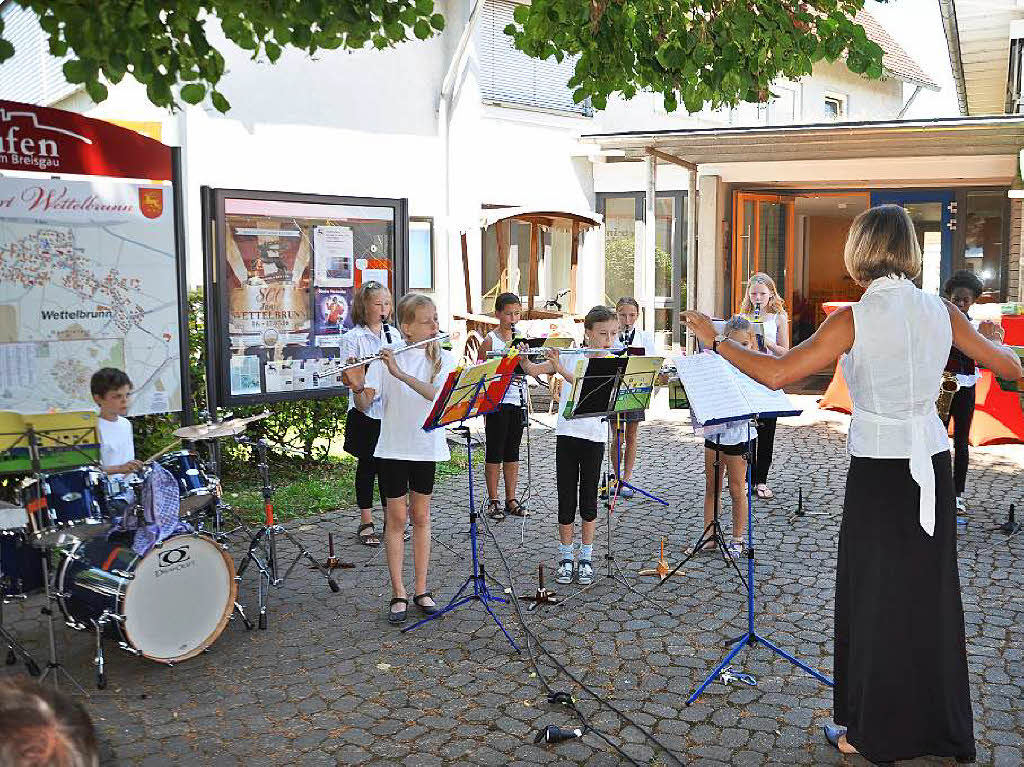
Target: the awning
pixel 955 136
pixel 543 216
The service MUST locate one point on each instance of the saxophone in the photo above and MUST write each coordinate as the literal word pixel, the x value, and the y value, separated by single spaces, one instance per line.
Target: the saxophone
pixel 947 389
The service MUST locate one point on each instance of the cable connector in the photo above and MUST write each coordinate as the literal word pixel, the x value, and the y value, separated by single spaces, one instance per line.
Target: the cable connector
pixel 555 734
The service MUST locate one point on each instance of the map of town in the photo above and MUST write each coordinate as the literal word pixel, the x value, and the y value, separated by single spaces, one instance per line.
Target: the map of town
pixel 76 297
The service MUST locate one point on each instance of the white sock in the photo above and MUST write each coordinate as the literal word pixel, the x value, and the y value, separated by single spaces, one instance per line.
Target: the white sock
pixel 565 551
pixel 586 551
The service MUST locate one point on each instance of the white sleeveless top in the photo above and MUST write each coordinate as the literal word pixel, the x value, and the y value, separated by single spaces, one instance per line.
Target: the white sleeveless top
pixel 360 341
pixel 514 395
pixel 901 341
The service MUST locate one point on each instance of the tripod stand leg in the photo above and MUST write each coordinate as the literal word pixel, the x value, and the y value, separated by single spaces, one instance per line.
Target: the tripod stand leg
pixel 792 659
pixel 718 670
pixel 303 552
pixel 101 676
pixel 245 620
pixel 15 650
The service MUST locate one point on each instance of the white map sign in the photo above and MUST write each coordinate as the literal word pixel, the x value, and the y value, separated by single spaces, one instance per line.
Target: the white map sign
pixel 88 279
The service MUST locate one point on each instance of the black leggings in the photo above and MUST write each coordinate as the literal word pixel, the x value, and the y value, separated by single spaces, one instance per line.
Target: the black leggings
pixel 577 472
pixel 961 412
pixel 504 432
pixel 367 470
pixel 764 449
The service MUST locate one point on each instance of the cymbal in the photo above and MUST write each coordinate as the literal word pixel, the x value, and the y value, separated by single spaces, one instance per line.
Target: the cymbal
pixel 203 431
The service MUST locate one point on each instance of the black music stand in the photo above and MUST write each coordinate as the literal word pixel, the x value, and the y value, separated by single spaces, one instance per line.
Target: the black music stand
pixel 457 402
pixel 606 391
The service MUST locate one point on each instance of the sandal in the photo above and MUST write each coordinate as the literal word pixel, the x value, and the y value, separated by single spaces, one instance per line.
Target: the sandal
pixel 425 609
pixel 515 508
pixel 398 616
pixel 704 549
pixel 764 492
pixel 494 510
pixel 370 539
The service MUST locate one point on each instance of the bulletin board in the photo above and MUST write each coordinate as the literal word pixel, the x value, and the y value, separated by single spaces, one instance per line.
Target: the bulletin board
pixel 281 270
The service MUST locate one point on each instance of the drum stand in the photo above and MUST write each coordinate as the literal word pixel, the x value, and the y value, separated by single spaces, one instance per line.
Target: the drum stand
pixel 54 666
pixel 15 650
pixel 263 547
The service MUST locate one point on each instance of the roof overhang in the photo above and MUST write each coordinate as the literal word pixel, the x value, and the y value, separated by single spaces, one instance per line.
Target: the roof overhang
pixel 543 216
pixel 950 137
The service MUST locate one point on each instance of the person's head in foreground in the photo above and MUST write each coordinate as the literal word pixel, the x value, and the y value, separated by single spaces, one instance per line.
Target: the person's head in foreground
pixel 42 727
pixel 738 329
pixel 882 243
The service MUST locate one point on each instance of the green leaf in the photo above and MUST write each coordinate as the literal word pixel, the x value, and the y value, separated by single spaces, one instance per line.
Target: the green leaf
pixel 421 29
pixel 97 91
pixel 437 22
pixel 219 102
pixel 193 93
pixel 273 50
pixel 75 71
pixel 6 50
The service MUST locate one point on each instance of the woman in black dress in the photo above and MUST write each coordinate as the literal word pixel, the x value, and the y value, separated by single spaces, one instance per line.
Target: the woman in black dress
pixel 901 688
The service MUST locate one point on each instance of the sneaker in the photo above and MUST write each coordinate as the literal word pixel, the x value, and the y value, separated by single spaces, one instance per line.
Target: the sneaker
pixel 625 491
pixel 961 521
pixel 585 573
pixel 565 568
pixel 735 549
pixel 961 505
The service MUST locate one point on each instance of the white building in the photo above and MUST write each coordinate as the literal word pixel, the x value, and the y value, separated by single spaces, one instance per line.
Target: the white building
pixel 453 134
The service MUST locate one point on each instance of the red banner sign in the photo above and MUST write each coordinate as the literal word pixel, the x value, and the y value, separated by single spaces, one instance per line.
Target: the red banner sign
pixel 45 140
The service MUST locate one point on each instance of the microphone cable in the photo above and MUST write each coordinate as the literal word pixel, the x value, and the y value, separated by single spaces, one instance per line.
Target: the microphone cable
pixel 551 733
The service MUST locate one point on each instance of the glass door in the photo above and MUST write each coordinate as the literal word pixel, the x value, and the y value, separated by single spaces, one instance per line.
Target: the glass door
pixel 763 242
pixel 934 215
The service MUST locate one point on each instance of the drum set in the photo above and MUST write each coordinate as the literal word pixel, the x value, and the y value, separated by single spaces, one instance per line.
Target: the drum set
pixel 166 605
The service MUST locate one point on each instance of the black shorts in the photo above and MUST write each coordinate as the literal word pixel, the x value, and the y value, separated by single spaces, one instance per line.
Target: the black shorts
pixel 398 477
pixel 504 431
pixel 740 449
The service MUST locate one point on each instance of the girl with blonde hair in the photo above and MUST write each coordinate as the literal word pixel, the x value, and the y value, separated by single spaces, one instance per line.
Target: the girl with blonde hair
pixel 762 303
pixel 408 455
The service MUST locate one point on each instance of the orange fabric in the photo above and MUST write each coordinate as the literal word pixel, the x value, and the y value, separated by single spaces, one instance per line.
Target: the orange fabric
pixel 837 396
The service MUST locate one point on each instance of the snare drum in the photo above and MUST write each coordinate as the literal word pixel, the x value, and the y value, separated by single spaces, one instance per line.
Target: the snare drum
pixel 21 566
pixel 71 502
pixel 168 606
pixel 195 487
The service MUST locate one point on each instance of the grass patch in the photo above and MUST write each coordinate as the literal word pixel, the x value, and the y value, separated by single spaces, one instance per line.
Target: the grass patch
pixel 304 489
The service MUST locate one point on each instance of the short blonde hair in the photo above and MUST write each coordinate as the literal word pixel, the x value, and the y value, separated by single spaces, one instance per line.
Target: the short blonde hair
pixel 882 242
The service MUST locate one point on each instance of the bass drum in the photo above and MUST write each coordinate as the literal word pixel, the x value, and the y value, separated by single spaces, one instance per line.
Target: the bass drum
pixel 169 605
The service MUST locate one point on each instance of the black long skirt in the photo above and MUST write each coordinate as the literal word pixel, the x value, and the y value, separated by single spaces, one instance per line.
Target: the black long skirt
pixel 902 687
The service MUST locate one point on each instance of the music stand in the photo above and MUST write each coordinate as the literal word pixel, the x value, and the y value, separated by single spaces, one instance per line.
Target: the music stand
pixel 606 387
pixel 720 394
pixel 467 393
pixel 635 392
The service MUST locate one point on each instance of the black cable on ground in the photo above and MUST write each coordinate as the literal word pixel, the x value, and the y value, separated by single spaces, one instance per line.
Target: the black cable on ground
pixel 562 697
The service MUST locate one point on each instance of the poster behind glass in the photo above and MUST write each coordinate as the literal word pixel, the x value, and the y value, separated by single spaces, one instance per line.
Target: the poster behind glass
pixel 290 271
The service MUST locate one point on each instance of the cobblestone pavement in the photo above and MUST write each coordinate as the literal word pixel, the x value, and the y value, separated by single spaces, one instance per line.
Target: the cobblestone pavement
pixel 329 682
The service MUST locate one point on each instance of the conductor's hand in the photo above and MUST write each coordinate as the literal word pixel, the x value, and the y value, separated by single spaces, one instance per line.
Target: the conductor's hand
pixel 700 325
pixel 993 331
pixel 387 356
pixel 131 466
pixel 551 354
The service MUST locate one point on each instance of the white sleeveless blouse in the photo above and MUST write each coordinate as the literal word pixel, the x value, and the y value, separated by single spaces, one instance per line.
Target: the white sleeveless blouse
pixel 901 341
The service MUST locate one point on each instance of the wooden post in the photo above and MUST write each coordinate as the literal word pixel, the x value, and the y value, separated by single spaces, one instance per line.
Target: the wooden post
pixel 574 259
pixel 465 274
pixel 532 283
pixel 503 234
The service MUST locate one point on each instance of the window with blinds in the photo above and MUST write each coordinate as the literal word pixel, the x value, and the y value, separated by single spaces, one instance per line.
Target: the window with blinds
pixel 32 75
pixel 509 76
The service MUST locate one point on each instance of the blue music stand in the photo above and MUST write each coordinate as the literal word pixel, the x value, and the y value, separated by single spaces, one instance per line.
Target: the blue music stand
pixel 476 577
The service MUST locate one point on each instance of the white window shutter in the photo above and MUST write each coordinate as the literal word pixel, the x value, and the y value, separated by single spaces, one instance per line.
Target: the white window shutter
pixel 32 75
pixel 509 76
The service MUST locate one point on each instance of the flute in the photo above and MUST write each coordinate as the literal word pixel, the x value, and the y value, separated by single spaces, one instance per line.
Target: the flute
pixel 541 350
pixel 371 357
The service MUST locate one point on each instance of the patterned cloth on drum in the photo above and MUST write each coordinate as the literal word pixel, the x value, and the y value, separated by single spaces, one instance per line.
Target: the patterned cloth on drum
pixel 159 506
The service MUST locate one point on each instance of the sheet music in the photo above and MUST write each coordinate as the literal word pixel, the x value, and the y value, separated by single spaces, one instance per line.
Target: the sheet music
pixel 719 393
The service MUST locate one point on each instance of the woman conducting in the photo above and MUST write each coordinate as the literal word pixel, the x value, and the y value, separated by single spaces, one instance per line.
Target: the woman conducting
pixel 901 684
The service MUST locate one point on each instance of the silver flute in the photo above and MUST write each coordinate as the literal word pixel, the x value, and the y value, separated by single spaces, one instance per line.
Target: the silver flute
pixel 398 350
pixel 541 351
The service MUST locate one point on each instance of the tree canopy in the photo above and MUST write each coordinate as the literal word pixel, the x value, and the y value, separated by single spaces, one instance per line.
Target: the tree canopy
pixel 164 44
pixel 694 52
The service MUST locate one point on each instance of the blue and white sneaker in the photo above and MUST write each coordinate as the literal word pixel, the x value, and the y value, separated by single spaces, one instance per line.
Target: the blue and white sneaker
pixel 565 571
pixel 585 572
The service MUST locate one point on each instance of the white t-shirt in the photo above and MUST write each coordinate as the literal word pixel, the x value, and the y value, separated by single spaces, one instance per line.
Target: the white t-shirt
pixel 591 428
pixel 116 443
pixel 360 341
pixel 733 433
pixel 635 338
pixel 404 410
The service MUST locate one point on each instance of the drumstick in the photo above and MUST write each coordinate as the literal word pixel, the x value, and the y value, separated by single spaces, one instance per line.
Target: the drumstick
pixel 165 450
